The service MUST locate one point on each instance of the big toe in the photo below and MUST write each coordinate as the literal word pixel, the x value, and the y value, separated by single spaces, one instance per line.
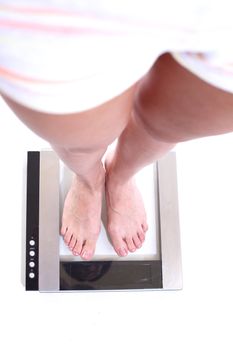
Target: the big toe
pixel 130 244
pixel 120 246
pixel 68 236
pixel 64 228
pixel 88 249
pixel 145 226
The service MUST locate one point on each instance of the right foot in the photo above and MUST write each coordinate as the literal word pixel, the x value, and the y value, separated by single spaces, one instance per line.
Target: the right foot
pixel 81 220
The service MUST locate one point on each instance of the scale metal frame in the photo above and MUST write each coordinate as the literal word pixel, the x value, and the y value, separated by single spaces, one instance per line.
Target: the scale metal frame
pixel 45 272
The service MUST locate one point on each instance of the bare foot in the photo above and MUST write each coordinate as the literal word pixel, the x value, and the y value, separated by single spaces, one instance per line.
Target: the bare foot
pixel 126 213
pixel 81 220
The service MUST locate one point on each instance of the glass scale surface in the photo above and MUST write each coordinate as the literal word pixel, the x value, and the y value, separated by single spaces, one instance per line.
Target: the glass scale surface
pixel 51 267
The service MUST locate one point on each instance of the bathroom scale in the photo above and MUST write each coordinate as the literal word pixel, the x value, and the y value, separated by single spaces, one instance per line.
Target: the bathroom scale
pixel 51 267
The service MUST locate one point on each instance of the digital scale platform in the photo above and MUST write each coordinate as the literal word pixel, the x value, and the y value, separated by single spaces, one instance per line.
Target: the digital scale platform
pixel 51 267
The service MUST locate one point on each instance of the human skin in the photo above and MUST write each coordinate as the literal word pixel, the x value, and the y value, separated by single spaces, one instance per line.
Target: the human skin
pixel 168 105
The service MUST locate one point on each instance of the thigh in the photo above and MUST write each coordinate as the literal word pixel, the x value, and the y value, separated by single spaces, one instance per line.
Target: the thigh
pixel 92 129
pixel 175 105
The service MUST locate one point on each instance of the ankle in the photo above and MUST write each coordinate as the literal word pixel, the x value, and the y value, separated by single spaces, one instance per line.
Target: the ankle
pixel 94 180
pixel 116 181
pixel 115 176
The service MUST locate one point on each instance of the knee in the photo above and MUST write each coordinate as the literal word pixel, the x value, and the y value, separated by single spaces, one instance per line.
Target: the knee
pixel 154 109
pixel 155 121
pixel 173 105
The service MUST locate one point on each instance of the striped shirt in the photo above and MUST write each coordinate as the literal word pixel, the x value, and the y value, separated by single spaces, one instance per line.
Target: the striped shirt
pixel 64 56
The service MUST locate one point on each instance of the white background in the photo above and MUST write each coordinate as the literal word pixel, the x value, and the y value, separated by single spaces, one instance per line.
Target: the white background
pixel 198 317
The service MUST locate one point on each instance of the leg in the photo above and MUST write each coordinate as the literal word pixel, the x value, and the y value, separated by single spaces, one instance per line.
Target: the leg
pixel 80 141
pixel 171 105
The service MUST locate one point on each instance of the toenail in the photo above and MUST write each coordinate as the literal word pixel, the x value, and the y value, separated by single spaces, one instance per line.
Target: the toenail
pixel 123 252
pixel 84 254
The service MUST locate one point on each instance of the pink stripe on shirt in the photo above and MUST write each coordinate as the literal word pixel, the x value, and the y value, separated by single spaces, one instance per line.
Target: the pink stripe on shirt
pixel 56 29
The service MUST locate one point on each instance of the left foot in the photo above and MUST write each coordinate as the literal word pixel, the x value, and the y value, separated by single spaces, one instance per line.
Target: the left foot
pixel 127 223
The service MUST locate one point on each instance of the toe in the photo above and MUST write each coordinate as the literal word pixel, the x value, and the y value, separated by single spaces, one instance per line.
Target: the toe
pixel 130 244
pixel 137 241
pixel 120 246
pixel 88 249
pixel 67 237
pixel 78 247
pixel 141 236
pixel 72 242
pixel 145 227
pixel 63 230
